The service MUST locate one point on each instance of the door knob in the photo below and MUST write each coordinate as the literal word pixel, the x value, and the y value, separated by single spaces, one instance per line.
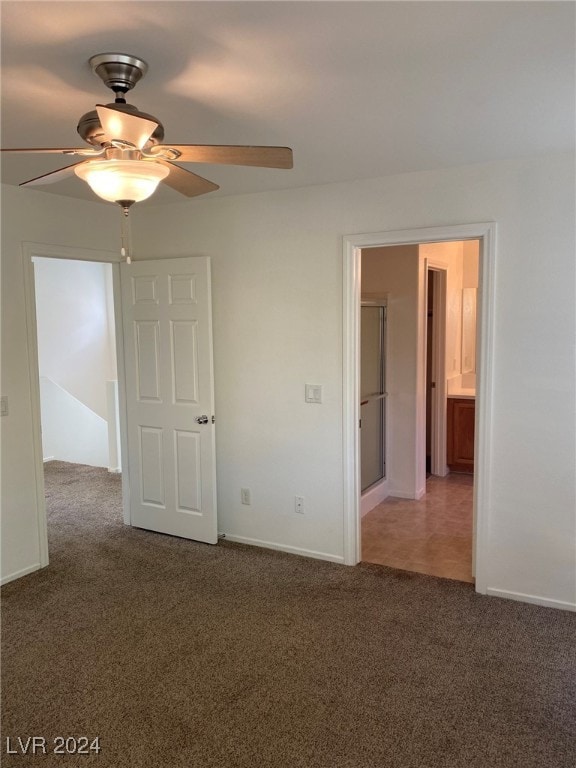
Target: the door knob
pixel 201 420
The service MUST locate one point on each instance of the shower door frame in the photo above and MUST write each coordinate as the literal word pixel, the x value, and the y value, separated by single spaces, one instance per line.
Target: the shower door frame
pixel 378 491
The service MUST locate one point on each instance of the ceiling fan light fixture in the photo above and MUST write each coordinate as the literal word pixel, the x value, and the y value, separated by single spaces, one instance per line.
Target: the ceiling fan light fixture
pixel 132 158
pixel 122 180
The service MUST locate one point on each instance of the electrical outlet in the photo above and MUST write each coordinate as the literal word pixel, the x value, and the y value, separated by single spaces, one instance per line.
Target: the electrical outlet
pixel 245 496
pixel 299 504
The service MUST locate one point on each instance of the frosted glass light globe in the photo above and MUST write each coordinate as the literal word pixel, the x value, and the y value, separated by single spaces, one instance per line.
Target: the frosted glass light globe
pixel 114 180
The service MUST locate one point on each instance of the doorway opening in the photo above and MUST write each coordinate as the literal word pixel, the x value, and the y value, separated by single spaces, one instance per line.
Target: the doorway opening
pixel 41 253
pixel 75 328
pixel 406 458
pixel 430 382
pixel 430 288
pixel 435 364
pixel 163 336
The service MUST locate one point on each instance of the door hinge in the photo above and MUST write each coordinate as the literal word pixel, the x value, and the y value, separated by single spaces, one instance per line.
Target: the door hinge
pixel 360 424
pixel 213 419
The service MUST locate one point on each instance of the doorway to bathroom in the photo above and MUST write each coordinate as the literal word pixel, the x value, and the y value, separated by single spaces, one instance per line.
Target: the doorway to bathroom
pixel 425 528
pixel 439 256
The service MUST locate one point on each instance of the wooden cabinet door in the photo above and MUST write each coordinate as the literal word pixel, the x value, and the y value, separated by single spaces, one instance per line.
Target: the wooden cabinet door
pixel 461 417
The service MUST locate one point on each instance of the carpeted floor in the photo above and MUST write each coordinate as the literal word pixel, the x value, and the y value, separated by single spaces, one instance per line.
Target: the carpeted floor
pixel 180 654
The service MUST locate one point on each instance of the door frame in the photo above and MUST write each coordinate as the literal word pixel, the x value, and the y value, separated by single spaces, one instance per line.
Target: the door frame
pixel 43 250
pixel 439 407
pixel 352 246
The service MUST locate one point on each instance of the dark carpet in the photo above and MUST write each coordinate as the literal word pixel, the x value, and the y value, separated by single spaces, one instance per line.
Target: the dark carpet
pixel 181 654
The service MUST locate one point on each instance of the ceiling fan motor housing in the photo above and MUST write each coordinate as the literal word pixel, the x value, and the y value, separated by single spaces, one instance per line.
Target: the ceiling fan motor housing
pixel 92 132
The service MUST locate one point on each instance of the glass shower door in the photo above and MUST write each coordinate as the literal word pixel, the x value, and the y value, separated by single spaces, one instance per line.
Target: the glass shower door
pixel 373 395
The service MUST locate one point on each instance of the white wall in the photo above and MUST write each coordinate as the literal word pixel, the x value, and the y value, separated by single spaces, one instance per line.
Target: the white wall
pixel 74 312
pixel 470 263
pixel 277 282
pixel 76 357
pixel 470 275
pixel 277 288
pixel 394 271
pixel 31 216
pixel 70 430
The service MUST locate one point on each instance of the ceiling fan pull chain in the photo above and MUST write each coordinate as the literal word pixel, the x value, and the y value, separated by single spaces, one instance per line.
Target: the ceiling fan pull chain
pixel 126 232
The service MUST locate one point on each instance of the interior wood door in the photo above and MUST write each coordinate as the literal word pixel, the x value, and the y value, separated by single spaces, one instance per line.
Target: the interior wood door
pixel 167 322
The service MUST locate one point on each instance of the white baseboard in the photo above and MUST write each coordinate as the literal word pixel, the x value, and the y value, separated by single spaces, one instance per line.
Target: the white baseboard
pixel 19 574
pixel 534 599
pixel 285 548
pixel 402 494
pixel 372 497
pixel 114 470
pixel 48 458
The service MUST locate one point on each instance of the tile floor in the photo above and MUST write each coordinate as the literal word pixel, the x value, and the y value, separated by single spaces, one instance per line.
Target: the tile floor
pixel 432 535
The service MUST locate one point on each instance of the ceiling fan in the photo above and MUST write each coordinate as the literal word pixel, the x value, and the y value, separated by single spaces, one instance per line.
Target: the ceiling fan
pixel 126 158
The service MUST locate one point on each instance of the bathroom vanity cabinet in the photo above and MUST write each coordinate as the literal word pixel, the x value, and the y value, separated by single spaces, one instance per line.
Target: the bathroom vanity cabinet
pixel 460 434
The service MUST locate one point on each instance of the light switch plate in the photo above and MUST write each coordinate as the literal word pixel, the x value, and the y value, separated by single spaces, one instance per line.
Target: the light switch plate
pixel 313 393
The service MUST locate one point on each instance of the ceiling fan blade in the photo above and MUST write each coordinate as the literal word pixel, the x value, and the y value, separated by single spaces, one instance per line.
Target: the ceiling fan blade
pixel 49 178
pixel 123 126
pixel 62 151
pixel 263 157
pixel 186 182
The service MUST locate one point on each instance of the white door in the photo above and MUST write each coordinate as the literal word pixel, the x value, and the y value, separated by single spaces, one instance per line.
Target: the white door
pixel 167 320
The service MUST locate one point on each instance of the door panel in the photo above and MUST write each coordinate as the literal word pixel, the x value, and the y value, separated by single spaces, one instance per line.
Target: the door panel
pixel 169 385
pixel 147 366
pixel 189 496
pixel 185 360
pixel 152 465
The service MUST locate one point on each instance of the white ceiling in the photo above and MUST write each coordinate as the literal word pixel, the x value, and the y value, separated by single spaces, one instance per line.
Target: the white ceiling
pixel 357 89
